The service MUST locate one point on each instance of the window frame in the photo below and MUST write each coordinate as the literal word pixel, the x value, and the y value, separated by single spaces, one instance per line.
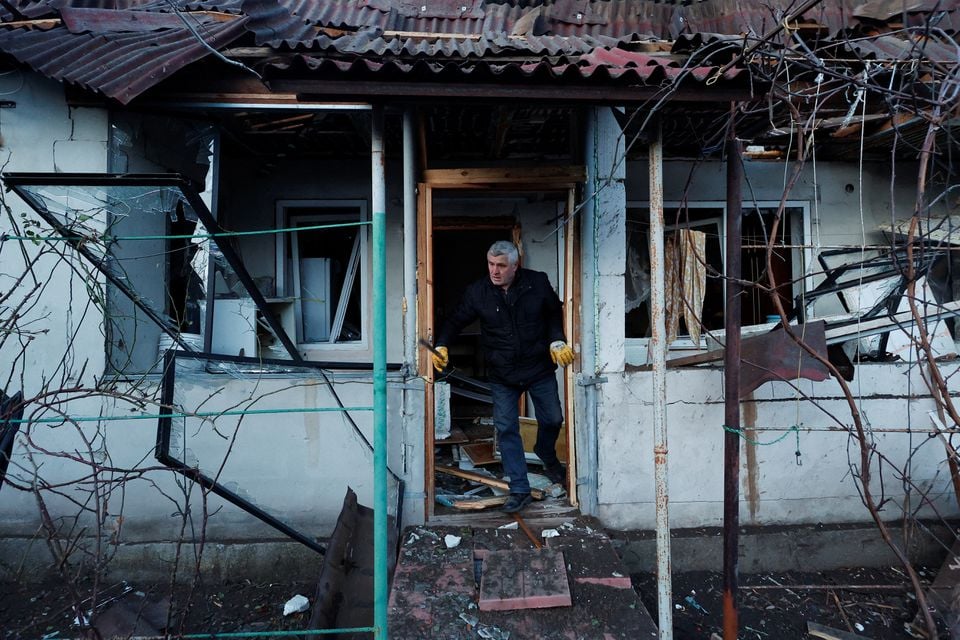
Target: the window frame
pixel 284 220
pixel 636 349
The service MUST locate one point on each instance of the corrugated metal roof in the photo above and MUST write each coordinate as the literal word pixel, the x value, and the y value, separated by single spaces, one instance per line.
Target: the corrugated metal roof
pixel 119 64
pixel 33 9
pixel 122 52
pixel 610 18
pixel 601 65
pixel 893 48
pixel 376 44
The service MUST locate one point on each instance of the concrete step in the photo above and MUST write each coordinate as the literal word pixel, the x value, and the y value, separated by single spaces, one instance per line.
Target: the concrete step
pixel 495 583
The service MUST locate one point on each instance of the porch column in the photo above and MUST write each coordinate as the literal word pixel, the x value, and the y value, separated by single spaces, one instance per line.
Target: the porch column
pixel 603 243
pixel 409 244
pixel 658 356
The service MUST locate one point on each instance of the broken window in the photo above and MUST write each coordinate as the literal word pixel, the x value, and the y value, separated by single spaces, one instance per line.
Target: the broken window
pixel 155 241
pixel 320 269
pixel 864 299
pixel 709 220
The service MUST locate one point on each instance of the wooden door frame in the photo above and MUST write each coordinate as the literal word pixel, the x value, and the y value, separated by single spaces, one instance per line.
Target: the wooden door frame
pixel 542 179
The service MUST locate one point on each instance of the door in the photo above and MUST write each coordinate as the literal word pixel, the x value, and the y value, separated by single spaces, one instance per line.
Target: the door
pixel 447 240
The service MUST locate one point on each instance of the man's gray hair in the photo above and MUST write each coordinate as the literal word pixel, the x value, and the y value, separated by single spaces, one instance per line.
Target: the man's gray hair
pixel 504 248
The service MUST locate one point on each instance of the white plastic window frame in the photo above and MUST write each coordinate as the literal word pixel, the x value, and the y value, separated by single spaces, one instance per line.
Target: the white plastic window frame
pixel 283 221
pixel 636 349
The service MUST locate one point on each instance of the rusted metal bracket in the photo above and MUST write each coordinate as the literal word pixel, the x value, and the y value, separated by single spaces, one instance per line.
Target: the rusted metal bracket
pixel 589 381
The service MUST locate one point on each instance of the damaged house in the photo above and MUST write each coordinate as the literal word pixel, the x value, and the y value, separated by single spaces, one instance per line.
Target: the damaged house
pixel 232 227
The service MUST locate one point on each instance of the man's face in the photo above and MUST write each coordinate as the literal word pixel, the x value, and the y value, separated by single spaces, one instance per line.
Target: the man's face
pixel 500 270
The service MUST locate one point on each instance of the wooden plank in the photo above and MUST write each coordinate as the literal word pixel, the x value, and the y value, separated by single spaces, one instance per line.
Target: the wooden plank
pixel 571 303
pixel 478 504
pixel 425 331
pixel 700 358
pixel 431 35
pixel 829 633
pixel 43 23
pixel 482 479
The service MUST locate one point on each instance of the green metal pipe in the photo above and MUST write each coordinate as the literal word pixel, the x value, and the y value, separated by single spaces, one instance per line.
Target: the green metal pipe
pixel 199 414
pixel 378 201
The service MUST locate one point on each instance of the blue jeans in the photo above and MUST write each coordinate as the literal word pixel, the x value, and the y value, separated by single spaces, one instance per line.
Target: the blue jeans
pixel 546 401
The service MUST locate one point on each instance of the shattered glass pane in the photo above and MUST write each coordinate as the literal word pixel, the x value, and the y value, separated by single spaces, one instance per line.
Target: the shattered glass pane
pixel 144 234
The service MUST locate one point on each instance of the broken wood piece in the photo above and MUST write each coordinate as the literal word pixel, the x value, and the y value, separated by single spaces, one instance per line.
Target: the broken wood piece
pixel 829 633
pixel 526 530
pixel 843 612
pixel 480 453
pixel 477 504
pixel 482 479
pixel 457 436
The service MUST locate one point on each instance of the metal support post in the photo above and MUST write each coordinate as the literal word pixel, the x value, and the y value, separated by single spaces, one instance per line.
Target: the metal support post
pixel 731 390
pixel 658 354
pixel 380 516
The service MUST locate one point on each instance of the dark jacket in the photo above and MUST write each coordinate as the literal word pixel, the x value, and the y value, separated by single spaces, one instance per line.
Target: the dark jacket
pixel 516 326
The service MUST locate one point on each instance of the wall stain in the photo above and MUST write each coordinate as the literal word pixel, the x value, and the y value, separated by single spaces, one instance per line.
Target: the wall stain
pixel 751 491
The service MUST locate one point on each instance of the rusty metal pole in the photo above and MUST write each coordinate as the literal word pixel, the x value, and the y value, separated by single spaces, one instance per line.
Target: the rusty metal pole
pixel 731 389
pixel 658 356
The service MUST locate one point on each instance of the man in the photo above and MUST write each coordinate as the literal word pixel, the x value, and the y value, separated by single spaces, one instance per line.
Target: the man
pixel 521 333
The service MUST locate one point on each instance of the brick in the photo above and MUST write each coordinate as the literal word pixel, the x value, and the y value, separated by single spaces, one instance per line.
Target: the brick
pixel 522 579
pixel 592 560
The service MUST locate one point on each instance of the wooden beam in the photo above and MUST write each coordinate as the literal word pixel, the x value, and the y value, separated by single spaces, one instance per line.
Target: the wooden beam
pixel 425 333
pixel 430 35
pixel 315 89
pixel 549 177
pixel 43 23
pixel 482 479
pixel 477 504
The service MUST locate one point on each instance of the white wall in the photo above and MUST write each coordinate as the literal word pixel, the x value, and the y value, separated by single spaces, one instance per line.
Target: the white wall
pixel 775 490
pixel 61 333
pixel 294 465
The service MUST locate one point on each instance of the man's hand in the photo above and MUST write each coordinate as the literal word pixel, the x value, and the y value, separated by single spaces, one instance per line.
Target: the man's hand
pixel 561 353
pixel 440 358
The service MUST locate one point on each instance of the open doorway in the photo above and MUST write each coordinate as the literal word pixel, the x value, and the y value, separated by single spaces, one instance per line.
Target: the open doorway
pixel 459 434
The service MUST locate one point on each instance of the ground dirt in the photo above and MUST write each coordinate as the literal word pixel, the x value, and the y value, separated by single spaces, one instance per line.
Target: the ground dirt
pixel 782 603
pixel 778 610
pixel 45 610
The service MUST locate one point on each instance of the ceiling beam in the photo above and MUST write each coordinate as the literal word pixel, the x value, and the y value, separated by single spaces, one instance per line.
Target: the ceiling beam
pixel 313 89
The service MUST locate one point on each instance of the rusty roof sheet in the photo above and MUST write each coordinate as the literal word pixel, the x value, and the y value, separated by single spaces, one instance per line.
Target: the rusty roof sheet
pixel 33 9
pixel 601 65
pixel 620 19
pixel 119 64
pixel 375 43
pixel 893 48
pixel 123 47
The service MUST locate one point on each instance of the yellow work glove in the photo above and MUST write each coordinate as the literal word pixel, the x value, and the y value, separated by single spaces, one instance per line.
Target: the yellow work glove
pixel 440 358
pixel 561 353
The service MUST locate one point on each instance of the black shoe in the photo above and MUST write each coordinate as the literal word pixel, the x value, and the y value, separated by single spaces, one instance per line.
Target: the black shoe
pixel 557 474
pixel 516 502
